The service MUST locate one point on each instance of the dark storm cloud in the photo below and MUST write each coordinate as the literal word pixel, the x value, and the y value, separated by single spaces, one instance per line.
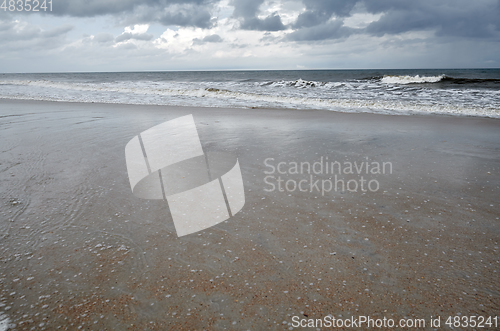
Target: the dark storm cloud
pixel 187 15
pixel 458 18
pixel 247 10
pixel 320 11
pixel 270 23
pixel 445 18
pixel 478 19
pixel 90 8
pixel 196 13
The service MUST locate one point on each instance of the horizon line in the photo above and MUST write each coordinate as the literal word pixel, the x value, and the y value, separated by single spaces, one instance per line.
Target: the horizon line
pixel 236 70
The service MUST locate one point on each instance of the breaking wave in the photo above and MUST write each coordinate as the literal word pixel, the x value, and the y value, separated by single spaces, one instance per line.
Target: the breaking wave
pixel 381 95
pixel 411 79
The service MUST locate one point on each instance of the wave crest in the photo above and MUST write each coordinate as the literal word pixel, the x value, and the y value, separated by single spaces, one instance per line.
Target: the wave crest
pixel 411 79
pixel 300 83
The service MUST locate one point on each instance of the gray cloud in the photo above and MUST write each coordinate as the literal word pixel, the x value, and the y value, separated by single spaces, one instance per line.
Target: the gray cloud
pixel 246 8
pixel 446 18
pixel 104 37
pixel 457 18
pixel 331 30
pixel 471 28
pixel 13 31
pixel 187 15
pixel 15 36
pixel 178 14
pixel 90 8
pixel 128 46
pixel 56 32
pixel 136 36
pixel 196 13
pixel 462 18
pixel 214 38
pixel 320 11
pixel 247 11
pixel 270 23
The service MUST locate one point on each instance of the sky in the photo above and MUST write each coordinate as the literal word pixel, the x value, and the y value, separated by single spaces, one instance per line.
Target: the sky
pixel 133 35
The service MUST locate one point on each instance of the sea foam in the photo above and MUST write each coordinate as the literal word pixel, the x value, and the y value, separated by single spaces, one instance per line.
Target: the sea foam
pixel 411 79
pixel 4 322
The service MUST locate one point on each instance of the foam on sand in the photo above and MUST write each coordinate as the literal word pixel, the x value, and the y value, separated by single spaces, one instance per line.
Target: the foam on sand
pixel 4 322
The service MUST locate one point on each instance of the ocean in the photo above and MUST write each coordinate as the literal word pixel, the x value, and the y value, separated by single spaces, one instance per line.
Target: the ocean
pixel 461 92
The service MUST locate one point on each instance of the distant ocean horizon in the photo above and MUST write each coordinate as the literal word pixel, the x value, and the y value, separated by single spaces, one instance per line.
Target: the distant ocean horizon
pixel 461 92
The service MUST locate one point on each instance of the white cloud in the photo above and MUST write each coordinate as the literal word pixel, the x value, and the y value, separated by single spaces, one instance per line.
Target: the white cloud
pixel 361 20
pixel 137 29
pixel 178 41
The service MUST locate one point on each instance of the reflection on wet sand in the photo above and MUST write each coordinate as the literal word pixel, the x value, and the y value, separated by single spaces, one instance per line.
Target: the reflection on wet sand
pixel 79 251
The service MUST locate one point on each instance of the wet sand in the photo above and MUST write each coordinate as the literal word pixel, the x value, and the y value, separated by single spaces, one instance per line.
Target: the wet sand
pixel 78 250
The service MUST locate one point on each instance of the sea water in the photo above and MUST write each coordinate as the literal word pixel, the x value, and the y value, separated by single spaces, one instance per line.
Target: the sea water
pixel 469 92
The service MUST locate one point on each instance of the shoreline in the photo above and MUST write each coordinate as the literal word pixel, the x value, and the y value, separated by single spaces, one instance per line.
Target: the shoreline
pixel 438 115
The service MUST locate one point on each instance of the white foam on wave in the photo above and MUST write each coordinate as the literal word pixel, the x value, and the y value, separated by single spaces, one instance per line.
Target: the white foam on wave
pixel 300 83
pixel 411 79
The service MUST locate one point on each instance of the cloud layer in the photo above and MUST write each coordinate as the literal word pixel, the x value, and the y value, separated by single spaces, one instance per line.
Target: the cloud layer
pixel 447 17
pixel 249 30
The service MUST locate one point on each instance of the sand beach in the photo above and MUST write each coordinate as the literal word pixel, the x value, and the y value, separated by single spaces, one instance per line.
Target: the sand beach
pixel 79 251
